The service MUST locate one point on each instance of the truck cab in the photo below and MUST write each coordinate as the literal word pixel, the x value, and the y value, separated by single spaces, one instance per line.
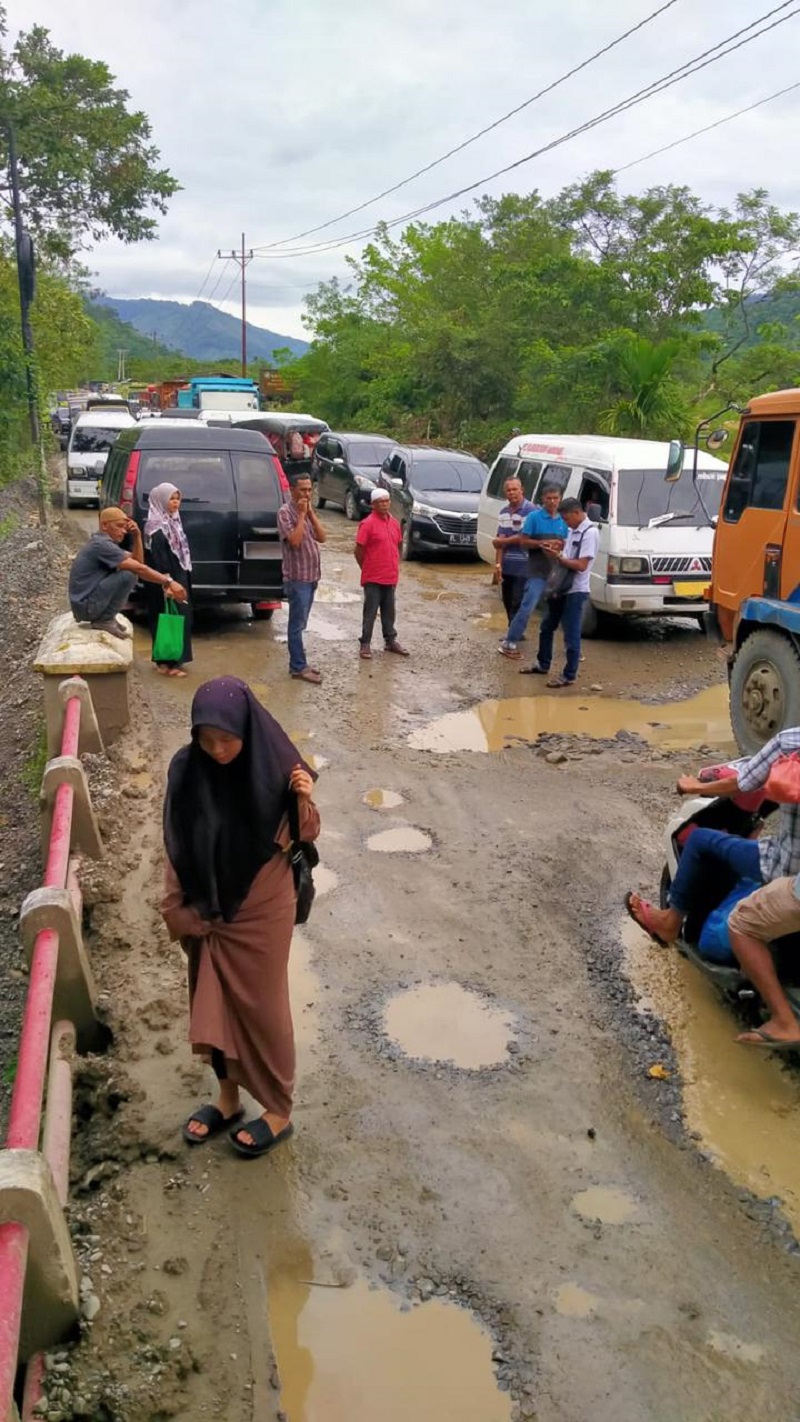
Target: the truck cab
pixel 755 582
pixel 219 392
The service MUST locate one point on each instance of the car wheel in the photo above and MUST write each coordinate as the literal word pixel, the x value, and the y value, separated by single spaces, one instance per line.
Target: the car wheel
pixel 351 507
pixel 406 548
pixel 261 614
pixel 594 623
pixel 316 501
pixel 764 689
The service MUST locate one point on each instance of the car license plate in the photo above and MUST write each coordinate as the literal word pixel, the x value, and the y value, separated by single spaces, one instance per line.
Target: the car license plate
pixel 462 539
pixel 695 591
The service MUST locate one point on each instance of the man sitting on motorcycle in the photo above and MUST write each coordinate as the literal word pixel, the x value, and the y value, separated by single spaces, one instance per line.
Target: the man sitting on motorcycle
pixel 771 912
pixel 705 850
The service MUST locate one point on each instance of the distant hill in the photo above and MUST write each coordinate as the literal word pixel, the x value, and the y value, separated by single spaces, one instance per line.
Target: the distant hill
pixel 114 335
pixel 782 306
pixel 199 330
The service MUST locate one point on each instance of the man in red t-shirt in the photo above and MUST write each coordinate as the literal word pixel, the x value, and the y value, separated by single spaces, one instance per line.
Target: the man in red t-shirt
pixel 377 553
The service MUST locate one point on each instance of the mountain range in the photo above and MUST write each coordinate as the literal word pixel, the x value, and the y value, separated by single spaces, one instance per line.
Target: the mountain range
pixel 198 330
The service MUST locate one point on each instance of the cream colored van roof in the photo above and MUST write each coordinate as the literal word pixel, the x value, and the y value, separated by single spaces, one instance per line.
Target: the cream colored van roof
pixel 601 451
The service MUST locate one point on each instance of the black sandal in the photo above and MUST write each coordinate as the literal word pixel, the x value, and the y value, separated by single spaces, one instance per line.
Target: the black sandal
pixel 263 1136
pixel 212 1117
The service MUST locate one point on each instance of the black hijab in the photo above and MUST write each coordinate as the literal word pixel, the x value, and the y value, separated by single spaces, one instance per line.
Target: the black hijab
pixel 220 821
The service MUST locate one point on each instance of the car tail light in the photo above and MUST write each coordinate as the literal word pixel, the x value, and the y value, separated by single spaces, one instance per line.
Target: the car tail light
pixel 265 606
pixel 129 483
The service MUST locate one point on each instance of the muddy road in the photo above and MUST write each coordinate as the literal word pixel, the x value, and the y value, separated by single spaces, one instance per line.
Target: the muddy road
pixel 490 1209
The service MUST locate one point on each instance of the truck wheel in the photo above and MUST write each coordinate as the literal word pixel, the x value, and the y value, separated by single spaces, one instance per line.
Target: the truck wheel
pixel 765 689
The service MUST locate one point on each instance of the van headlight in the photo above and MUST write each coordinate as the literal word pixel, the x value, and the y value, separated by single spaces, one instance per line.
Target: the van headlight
pixel 617 565
pixel 426 510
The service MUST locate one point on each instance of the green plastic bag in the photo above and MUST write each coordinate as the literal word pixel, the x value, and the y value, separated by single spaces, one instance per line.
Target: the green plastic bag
pixel 168 641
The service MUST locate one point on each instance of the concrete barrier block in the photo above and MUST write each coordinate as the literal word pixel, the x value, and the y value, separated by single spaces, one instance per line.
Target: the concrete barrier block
pixel 75 994
pixel 91 741
pixel 70 648
pixel 51 1304
pixel 67 770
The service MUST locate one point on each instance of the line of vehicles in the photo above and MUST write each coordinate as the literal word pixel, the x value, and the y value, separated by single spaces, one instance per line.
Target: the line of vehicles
pixel 681 532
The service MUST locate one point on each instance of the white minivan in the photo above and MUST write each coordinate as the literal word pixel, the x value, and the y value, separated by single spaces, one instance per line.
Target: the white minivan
pixel 655 538
pixel 93 435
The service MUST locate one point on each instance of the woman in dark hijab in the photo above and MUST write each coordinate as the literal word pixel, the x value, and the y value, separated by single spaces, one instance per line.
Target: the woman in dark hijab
pixel 230 899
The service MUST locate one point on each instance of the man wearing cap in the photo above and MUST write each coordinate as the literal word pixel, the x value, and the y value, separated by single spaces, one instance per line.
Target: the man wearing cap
pixel 103 574
pixel 377 553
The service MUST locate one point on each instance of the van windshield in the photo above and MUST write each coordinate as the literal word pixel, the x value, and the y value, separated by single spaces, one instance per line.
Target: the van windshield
pixel 93 440
pixel 643 494
pixel 448 474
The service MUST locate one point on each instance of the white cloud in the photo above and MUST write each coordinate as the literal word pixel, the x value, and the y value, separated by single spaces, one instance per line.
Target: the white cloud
pixel 276 115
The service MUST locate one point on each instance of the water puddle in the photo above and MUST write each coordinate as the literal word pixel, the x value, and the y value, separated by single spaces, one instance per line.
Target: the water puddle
pixel 403 839
pixel 491 621
pixel 383 799
pixel 304 993
pixel 444 1022
pixel 349 1354
pixel 495 725
pixel 316 762
pixel 732 1347
pixel 324 629
pixel 334 596
pixel 325 880
pixel 605 1204
pixel 743 1103
pixel 572 1301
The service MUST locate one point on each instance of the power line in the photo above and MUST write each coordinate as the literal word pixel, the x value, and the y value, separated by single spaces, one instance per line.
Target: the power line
pixel 675 76
pixel 556 83
pixel 707 129
pixel 242 260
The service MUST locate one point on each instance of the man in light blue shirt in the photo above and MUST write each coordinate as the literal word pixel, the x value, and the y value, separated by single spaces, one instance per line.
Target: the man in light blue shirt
pixel 542 528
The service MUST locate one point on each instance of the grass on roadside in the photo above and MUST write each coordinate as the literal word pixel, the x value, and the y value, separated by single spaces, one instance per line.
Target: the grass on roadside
pixel 33 768
pixel 8 525
pixel 9 1072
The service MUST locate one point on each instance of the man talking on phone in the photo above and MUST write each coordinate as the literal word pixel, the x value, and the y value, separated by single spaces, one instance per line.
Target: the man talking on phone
pixel 301 534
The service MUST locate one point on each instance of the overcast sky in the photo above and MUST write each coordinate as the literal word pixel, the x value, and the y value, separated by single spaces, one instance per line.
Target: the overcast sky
pixel 276 115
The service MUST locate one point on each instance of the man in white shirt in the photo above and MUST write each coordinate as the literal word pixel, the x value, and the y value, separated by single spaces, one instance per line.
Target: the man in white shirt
pixel 565 603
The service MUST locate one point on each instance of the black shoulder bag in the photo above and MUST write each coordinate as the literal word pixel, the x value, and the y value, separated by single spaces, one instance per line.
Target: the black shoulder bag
pixel 561 579
pixel 304 857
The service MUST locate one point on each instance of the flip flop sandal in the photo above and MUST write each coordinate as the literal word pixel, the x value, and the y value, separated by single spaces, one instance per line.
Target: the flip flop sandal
pixel 211 1117
pixel 263 1136
pixel 766 1041
pixel 644 910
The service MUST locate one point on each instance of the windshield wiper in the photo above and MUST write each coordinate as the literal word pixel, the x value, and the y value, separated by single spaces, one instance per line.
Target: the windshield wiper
pixel 668 517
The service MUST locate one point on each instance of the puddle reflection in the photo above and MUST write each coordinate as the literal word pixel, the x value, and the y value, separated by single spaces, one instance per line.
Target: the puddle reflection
pixel 348 1354
pixel 495 725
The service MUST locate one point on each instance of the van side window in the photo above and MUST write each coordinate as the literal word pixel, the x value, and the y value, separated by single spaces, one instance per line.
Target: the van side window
pixel 594 492
pixel 553 474
pixel 256 482
pixel 505 468
pixel 761 469
pixel 528 472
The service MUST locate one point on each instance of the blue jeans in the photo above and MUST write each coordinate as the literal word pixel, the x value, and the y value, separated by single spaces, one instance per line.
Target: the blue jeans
pixel 704 850
pixel 534 588
pixel 300 597
pixel 565 612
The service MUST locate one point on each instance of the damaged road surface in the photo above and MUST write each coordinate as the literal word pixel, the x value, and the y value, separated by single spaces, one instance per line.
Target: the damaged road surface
pixel 491 1209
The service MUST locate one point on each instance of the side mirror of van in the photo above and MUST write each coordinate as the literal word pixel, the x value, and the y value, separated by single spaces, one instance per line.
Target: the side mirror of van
pixel 674 461
pixel 716 439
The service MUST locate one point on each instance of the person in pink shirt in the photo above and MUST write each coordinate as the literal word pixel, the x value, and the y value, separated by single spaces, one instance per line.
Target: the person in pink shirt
pixel 377 553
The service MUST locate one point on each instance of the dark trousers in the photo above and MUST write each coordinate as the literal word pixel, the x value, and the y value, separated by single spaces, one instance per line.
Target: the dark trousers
pixel 512 586
pixel 378 597
pixel 565 612
pixel 704 851
pixel 106 599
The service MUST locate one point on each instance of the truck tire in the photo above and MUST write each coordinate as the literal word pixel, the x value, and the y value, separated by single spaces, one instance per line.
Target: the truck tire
pixel 765 689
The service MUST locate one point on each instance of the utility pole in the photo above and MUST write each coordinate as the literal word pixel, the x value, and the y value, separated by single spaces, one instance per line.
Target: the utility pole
pixel 26 276
pixel 121 354
pixel 242 259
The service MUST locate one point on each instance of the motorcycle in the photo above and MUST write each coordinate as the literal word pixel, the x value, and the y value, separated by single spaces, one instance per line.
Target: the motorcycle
pixel 743 815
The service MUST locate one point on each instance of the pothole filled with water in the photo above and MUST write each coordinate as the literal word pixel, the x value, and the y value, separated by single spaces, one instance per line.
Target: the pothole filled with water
pixel 325 880
pixel 496 725
pixel 349 1354
pixel 605 1204
pixel 403 839
pixel 383 799
pixel 445 1022
pixel 572 1301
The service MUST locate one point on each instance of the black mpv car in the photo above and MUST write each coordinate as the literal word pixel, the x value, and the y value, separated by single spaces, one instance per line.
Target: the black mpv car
pixel 345 470
pixel 434 494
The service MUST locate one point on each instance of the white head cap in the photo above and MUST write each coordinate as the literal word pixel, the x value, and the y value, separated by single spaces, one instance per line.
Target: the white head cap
pixel 377 495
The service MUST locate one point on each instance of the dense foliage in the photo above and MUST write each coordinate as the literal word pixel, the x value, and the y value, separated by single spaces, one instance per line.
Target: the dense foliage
pixel 589 311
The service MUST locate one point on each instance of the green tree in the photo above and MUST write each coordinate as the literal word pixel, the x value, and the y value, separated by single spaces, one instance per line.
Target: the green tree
pixel 88 168
pixel 650 404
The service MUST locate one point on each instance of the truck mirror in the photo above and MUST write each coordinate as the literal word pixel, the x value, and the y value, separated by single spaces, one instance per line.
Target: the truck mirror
pixel 674 461
pixel 716 439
